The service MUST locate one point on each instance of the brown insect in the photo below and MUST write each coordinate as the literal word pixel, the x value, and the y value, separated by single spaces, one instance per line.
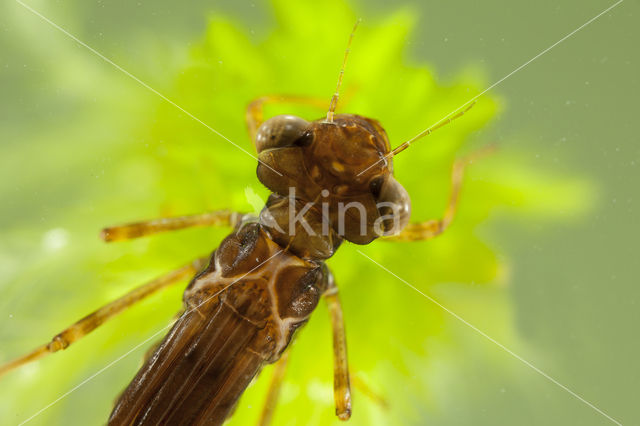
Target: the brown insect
pixel 331 180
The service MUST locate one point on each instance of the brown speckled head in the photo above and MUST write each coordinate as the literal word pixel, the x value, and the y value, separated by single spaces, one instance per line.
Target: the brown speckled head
pixel 341 150
pixel 323 162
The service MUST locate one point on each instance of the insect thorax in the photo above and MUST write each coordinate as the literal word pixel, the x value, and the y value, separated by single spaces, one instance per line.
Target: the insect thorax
pixel 273 289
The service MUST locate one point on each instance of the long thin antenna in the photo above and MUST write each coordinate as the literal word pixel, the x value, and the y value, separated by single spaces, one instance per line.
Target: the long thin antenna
pixel 336 95
pixel 426 132
pixel 430 130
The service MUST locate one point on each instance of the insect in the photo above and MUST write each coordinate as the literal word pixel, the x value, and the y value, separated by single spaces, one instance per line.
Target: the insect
pixel 331 180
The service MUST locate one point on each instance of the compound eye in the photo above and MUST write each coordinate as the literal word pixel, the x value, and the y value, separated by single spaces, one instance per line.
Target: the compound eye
pixel 375 186
pixel 280 131
pixel 394 206
pixel 305 139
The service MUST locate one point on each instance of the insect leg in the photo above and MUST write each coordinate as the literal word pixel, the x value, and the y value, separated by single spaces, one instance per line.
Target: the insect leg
pixel 255 110
pixel 92 321
pixel 432 228
pixel 341 383
pixel 141 229
pixel 277 379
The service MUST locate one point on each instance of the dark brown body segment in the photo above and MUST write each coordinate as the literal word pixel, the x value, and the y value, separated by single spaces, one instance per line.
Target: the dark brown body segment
pixel 240 313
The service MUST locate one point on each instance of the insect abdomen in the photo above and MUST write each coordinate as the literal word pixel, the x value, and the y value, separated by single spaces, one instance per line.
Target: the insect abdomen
pixel 197 374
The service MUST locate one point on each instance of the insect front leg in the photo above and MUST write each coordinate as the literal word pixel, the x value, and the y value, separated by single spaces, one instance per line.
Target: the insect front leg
pixel 341 383
pixel 95 319
pixel 149 227
pixel 432 228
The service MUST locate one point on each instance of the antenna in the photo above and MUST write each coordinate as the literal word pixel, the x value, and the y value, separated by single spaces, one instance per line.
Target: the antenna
pixel 430 130
pixel 336 95
pixel 448 119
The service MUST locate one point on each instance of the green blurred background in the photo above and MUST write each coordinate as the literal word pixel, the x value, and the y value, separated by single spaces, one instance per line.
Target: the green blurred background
pixel 542 256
